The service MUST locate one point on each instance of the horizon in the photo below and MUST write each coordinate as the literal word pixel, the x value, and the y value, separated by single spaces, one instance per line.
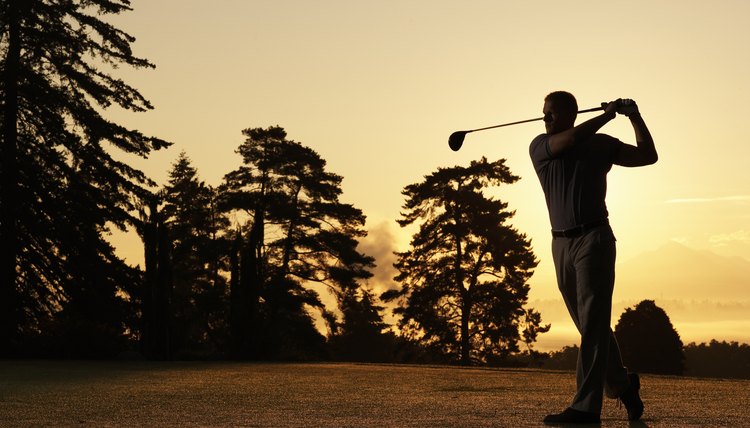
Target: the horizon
pixel 377 90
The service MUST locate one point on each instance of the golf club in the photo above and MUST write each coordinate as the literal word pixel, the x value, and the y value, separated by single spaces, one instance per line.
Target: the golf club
pixel 456 140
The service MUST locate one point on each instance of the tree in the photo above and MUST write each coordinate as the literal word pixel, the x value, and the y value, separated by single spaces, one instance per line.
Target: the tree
pixel 197 257
pixel 297 232
pixel 55 138
pixel 362 335
pixel 156 293
pixel 464 277
pixel 648 341
pixel 564 359
pixel 95 319
pixel 718 359
pixel 532 328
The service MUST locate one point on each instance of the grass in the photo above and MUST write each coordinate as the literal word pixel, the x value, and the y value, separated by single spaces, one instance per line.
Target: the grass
pixel 185 394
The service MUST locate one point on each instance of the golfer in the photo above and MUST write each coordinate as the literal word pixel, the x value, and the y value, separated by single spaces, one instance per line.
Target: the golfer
pixel 572 163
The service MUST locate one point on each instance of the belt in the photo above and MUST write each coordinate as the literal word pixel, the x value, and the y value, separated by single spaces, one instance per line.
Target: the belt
pixel 579 230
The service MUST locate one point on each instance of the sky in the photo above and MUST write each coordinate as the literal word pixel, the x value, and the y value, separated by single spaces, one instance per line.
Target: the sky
pixel 376 88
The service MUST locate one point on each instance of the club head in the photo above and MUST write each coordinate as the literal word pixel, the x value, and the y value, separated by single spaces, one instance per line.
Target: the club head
pixel 456 140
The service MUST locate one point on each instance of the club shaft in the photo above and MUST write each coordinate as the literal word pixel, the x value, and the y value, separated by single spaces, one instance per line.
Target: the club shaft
pixel 529 120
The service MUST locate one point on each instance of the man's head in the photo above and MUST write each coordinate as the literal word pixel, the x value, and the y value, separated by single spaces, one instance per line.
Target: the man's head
pixel 560 109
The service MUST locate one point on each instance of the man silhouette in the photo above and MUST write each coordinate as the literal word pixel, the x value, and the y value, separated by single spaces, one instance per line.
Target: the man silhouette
pixel 572 163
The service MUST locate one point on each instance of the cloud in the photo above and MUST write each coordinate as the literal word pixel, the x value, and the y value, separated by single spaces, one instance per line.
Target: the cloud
pixel 725 238
pixel 380 243
pixel 693 310
pixel 735 198
pixel 683 240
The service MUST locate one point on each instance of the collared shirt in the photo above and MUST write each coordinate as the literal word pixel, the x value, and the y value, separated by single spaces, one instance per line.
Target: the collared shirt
pixel 575 182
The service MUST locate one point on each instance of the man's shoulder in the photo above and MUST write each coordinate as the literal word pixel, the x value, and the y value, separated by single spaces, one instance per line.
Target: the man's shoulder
pixel 538 148
pixel 539 139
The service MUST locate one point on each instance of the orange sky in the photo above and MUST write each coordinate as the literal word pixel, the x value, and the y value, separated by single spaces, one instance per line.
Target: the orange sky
pixel 377 87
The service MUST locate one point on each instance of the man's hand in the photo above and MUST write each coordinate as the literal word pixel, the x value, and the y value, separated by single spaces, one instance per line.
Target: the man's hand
pixel 628 107
pixel 625 107
pixel 612 108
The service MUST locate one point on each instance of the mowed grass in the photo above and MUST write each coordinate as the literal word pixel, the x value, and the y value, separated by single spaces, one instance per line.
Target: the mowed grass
pixel 184 394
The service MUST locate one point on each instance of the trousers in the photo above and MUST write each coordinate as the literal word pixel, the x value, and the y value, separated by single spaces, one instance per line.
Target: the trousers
pixel 585 269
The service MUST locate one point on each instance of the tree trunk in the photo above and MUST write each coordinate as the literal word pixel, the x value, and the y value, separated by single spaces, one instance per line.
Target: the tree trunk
pixel 254 285
pixel 9 300
pixel 148 304
pixel 235 298
pixel 157 288
pixel 164 293
pixel 465 345
pixel 290 230
pixel 244 316
pixel 465 304
pixel 245 291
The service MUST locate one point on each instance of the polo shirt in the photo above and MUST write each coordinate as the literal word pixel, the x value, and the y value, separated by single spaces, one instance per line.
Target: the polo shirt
pixel 575 182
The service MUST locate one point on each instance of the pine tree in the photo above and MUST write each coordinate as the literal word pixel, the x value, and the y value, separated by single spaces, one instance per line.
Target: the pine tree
pixel 198 293
pixel 298 232
pixel 96 316
pixel 464 277
pixel 362 335
pixel 55 137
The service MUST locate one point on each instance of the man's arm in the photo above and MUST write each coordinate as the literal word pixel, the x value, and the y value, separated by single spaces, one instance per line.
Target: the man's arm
pixel 562 141
pixel 645 151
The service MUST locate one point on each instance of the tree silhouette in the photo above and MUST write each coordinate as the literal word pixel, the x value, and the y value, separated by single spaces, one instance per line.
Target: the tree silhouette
pixel 156 293
pixel 362 335
pixel 55 137
pixel 718 359
pixel 94 319
pixel 532 328
pixel 464 278
pixel 296 233
pixel 564 359
pixel 648 341
pixel 198 253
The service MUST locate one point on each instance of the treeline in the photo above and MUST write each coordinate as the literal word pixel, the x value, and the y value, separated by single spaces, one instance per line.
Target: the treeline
pixel 718 359
pixel 650 344
pixel 715 359
pixel 240 270
pixel 235 271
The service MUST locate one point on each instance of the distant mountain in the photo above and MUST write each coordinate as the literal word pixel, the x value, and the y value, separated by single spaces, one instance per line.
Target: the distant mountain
pixel 675 271
pixel 732 248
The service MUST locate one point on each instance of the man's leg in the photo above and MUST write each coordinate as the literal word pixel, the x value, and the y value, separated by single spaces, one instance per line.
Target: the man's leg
pixel 563 256
pixel 619 384
pixel 594 259
pixel 616 380
pixel 566 275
